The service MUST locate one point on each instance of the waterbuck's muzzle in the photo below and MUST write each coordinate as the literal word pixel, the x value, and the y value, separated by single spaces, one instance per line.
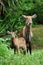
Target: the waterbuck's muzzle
pixel 29 23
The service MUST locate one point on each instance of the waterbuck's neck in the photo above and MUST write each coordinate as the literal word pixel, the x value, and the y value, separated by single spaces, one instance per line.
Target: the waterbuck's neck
pixel 29 28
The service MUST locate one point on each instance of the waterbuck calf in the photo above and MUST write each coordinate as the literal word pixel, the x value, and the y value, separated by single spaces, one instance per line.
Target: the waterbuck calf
pixel 17 43
pixel 26 32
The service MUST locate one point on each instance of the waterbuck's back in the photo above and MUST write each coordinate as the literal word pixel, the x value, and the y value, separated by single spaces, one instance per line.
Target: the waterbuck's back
pixel 19 41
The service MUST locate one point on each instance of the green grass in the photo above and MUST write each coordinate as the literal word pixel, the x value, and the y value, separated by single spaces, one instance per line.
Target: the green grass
pixel 7 57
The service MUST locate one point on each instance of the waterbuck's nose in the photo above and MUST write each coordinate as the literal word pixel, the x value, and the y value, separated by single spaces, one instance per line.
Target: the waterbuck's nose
pixel 29 23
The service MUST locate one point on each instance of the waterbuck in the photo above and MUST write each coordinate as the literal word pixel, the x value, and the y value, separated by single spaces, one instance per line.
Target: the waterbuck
pixel 26 31
pixel 17 43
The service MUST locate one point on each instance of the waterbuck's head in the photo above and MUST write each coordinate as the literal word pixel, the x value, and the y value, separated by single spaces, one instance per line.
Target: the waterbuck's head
pixel 29 19
pixel 28 22
pixel 13 34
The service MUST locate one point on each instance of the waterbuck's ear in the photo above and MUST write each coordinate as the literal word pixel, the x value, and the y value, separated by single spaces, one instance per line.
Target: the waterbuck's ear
pixel 24 16
pixel 15 31
pixel 8 32
pixel 34 16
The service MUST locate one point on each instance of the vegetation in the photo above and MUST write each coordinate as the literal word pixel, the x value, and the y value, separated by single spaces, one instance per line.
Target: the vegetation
pixel 38 35
pixel 14 9
pixel 12 20
pixel 7 57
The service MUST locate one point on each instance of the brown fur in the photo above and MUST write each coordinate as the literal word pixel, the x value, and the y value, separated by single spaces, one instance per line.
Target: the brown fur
pixel 17 43
pixel 26 34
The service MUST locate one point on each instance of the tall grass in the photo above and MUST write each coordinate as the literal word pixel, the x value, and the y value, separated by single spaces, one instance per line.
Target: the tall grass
pixel 7 57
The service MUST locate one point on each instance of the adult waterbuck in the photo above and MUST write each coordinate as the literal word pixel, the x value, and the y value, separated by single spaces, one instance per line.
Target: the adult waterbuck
pixel 26 31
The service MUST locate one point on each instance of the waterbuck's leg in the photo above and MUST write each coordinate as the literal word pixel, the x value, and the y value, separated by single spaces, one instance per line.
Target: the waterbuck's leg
pixel 30 47
pixel 15 49
pixel 25 50
pixel 27 47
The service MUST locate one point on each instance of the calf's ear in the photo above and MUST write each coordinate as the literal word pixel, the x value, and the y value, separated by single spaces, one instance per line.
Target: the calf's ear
pixel 8 32
pixel 15 31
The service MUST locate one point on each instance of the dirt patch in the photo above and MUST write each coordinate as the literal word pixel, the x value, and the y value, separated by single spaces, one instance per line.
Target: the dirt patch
pixel 39 27
pixel 37 47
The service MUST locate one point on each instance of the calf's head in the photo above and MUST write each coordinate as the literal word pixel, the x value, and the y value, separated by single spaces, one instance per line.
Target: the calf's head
pixel 13 34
